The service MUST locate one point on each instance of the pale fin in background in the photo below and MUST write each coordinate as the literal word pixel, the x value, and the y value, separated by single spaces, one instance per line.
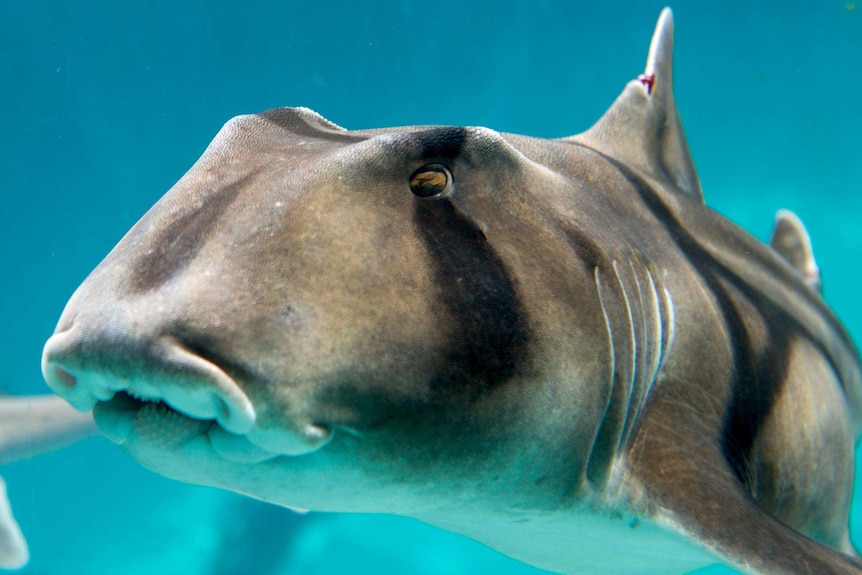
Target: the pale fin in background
pixel 791 240
pixel 31 426
pixel 13 548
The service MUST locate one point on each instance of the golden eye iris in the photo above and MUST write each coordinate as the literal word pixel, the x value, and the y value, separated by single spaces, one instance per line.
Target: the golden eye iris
pixel 431 181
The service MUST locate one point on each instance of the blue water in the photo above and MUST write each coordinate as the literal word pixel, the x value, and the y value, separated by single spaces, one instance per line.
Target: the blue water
pixel 105 104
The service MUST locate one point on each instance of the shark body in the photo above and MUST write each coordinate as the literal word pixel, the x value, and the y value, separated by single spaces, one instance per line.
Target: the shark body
pixel 552 346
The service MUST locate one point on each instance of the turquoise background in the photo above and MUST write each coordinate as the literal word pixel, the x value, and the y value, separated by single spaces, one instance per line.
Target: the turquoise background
pixel 105 104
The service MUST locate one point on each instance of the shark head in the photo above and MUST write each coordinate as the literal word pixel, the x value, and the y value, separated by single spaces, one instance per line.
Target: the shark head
pixel 359 320
pixel 308 299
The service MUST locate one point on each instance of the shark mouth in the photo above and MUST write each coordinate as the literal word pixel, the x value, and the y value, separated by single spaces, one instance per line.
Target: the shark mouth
pixel 153 421
pixel 168 397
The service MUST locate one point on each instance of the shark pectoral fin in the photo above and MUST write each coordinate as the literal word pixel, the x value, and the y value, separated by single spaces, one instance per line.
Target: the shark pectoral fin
pixel 34 424
pixel 744 536
pixel 13 548
pixel 683 481
pixel 643 127
pixel 791 240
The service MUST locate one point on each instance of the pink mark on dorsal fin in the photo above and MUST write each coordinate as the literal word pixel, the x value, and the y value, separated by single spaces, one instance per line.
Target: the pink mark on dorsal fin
pixel 647 80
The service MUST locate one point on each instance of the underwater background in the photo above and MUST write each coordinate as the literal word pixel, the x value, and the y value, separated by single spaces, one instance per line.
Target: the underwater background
pixel 106 104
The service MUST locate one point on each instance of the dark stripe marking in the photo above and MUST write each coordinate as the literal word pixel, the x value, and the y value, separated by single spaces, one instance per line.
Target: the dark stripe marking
pixel 489 332
pixel 176 244
pixel 443 143
pixel 759 379
pixel 753 394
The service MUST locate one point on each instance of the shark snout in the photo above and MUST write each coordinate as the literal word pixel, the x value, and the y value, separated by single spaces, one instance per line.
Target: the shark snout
pixel 89 367
pixel 142 380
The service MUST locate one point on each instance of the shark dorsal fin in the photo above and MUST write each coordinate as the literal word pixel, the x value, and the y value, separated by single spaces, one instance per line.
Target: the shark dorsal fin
pixel 642 128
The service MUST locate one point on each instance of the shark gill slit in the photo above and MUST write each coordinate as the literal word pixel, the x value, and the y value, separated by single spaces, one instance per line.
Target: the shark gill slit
pixel 596 261
pixel 648 346
pixel 747 411
pixel 635 369
pixel 598 468
pixel 639 339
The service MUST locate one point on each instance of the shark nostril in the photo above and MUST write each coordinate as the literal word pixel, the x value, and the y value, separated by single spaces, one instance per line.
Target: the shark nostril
pixel 60 376
pixel 56 365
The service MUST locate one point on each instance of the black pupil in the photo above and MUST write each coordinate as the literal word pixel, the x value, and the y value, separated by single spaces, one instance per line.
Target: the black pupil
pixel 430 180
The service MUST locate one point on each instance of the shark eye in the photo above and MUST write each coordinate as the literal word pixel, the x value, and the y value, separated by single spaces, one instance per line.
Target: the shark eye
pixel 432 181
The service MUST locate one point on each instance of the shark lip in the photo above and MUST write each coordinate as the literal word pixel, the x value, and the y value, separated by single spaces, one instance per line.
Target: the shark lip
pixel 166 395
pixel 157 422
pixel 124 414
pixel 165 371
pixel 125 417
